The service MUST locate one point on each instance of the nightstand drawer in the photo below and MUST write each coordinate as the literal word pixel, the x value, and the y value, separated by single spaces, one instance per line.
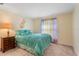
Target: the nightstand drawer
pixel 7 43
pixel 6 46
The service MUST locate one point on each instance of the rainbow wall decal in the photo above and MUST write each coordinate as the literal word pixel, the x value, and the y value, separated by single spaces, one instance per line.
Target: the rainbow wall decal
pixel 22 23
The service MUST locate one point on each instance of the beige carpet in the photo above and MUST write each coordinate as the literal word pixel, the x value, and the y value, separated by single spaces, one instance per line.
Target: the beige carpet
pixel 52 50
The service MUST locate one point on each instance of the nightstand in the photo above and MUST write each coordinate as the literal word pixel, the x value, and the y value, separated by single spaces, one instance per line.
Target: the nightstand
pixel 7 43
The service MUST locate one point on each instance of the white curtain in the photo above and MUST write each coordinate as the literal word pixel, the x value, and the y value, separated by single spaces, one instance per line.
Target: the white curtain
pixel 50 27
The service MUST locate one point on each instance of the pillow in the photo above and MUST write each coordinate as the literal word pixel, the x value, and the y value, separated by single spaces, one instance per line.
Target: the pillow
pixel 23 32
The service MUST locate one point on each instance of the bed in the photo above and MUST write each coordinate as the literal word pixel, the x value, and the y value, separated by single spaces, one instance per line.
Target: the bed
pixel 34 43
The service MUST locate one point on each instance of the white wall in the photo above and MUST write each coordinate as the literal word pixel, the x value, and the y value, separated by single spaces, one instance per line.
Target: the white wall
pixel 65 28
pixel 76 29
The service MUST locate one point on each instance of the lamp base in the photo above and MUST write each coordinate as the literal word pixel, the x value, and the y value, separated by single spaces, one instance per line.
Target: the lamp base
pixel 8 33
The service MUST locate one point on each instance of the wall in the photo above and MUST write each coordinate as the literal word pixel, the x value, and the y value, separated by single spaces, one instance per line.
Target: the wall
pixel 65 28
pixel 36 25
pixel 8 16
pixel 76 29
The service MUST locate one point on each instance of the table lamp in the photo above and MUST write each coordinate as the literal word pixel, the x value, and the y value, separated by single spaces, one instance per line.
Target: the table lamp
pixel 6 25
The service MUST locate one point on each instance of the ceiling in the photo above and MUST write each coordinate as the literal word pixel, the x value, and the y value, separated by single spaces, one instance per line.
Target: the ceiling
pixel 39 9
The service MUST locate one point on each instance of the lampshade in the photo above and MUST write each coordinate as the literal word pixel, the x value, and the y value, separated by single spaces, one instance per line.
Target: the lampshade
pixel 6 25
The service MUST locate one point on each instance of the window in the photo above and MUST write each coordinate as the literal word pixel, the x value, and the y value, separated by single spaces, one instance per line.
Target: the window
pixel 49 27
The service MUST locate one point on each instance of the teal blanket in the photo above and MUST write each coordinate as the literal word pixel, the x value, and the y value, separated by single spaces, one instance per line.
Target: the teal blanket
pixel 35 43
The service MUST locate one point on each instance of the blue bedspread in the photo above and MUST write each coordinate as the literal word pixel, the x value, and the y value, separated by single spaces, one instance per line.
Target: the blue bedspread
pixel 35 43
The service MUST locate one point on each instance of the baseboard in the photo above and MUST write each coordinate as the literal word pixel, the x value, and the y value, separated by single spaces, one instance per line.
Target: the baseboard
pixel 63 44
pixel 76 52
